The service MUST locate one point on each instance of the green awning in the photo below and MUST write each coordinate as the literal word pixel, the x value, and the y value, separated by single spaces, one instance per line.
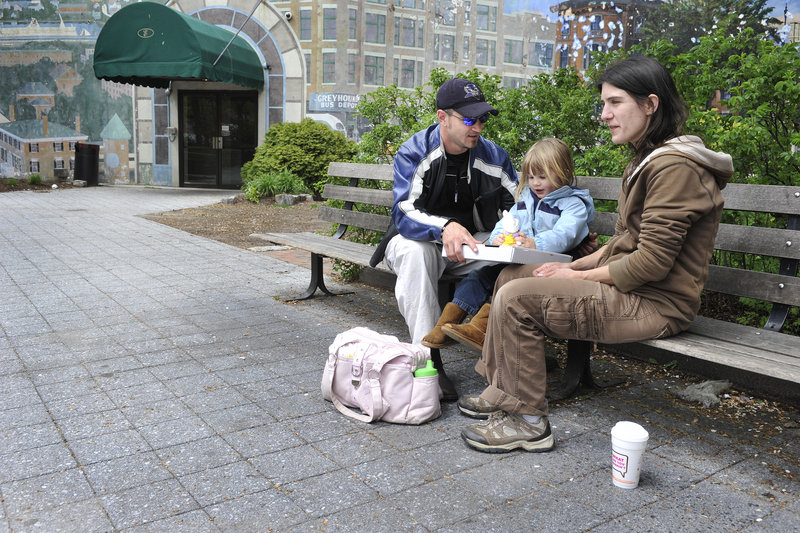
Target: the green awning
pixel 150 44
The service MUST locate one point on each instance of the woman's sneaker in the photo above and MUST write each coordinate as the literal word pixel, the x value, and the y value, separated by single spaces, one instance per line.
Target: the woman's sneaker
pixel 505 432
pixel 474 406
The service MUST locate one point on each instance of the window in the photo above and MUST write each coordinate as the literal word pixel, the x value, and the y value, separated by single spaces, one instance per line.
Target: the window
pixel 34 147
pixel 58 147
pixel 563 57
pixel 587 53
pixel 353 24
pixel 72 146
pixel 407 68
pixel 305 24
pixel 467 11
pixel 307 56
pixel 485 52
pixel 34 165
pixel 443 47
pixel 376 28
pixel 413 4
pixel 487 18
pixel 373 70
pixel 512 51
pixel 566 28
pixel 58 163
pixel 72 163
pixel 445 13
pixel 351 68
pixel 465 56
pixel 511 82
pixel 329 67
pixel 377 1
pixel 405 33
pixel 596 22
pixel 329 24
pixel 540 55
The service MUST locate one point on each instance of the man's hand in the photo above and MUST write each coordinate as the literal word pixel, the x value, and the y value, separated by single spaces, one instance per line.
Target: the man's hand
pixel 454 235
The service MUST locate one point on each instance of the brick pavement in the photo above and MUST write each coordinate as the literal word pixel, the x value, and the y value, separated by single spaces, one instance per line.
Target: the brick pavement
pixel 153 380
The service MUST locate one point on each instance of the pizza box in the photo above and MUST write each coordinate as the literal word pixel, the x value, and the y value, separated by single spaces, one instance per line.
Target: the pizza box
pixel 512 254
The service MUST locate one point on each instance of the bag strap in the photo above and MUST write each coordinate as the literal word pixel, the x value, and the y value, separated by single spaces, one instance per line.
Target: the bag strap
pixel 373 412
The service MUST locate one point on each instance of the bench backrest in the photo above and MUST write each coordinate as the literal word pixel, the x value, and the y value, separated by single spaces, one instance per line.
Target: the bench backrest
pixel 781 289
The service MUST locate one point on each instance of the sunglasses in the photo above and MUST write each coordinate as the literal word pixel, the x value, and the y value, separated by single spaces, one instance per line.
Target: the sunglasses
pixel 469 121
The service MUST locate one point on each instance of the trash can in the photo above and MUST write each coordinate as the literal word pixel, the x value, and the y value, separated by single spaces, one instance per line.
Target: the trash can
pixel 87 162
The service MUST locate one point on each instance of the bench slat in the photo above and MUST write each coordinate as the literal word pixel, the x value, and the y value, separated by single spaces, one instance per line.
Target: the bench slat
pixel 738 196
pixel 371 221
pixel 358 194
pixel 752 284
pixel 324 245
pixel 748 349
pixel 362 171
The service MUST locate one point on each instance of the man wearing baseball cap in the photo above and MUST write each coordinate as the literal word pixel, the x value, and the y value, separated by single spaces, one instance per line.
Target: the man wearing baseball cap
pixel 450 188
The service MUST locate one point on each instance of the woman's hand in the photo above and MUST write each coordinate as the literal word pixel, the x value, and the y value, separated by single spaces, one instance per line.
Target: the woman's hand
pixel 567 271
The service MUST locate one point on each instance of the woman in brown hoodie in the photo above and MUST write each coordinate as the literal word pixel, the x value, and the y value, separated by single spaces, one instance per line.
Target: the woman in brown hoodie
pixel 644 283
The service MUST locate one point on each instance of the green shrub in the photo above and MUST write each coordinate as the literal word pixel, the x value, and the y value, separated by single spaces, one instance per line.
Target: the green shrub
pixel 272 183
pixel 11 182
pixel 35 179
pixel 303 148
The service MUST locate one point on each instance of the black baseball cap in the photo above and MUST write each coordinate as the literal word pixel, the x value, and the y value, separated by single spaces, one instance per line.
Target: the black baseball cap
pixel 463 96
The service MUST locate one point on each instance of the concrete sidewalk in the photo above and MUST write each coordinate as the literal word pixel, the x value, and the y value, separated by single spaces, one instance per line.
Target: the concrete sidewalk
pixel 152 380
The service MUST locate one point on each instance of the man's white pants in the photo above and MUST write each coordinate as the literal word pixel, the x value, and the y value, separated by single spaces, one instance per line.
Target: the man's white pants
pixel 418 266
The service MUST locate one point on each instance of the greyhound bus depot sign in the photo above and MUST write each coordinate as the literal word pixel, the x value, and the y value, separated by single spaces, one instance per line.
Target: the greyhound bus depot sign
pixel 327 102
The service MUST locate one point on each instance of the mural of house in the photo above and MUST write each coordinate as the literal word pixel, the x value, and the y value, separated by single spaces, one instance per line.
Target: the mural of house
pixel 37 147
pixel 66 78
pixel 38 95
pixel 115 147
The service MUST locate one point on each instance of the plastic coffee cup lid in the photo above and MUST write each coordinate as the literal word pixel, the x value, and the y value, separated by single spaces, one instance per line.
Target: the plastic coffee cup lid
pixel 630 431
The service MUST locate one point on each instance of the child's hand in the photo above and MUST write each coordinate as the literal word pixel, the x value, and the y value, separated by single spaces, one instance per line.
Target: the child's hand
pixel 524 241
pixel 498 241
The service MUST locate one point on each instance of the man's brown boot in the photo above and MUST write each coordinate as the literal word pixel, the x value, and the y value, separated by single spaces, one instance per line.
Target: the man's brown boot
pixel 471 334
pixel 452 314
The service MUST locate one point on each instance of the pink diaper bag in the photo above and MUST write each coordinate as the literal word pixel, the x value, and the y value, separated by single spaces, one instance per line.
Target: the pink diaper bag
pixel 375 374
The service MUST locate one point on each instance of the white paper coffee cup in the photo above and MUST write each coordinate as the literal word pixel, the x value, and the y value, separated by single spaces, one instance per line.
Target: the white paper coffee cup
pixel 628 442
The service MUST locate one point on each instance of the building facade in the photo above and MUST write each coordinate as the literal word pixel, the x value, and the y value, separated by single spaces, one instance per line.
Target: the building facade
pixel 353 47
pixel 588 26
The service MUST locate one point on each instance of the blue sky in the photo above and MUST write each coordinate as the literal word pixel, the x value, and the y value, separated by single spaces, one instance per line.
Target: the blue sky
pixel 544 6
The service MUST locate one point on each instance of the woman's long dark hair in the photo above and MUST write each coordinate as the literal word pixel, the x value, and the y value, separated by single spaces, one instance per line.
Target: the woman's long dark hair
pixel 641 76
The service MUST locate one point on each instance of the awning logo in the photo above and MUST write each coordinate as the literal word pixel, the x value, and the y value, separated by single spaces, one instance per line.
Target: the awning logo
pixel 145 33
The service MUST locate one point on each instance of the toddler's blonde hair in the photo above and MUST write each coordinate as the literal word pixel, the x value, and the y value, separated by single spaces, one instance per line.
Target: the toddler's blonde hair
pixel 550 157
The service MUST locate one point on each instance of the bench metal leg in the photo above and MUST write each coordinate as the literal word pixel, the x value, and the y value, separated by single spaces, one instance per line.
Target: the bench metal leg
pixel 579 371
pixel 317 281
pixel 449 392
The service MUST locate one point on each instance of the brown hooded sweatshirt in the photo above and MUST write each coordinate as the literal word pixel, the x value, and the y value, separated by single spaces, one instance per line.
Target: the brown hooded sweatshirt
pixel 669 211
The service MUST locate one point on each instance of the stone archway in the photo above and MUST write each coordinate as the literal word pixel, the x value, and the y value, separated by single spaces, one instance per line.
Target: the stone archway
pixel 273 39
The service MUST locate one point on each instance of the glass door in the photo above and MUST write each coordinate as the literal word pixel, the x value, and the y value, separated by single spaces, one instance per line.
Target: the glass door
pixel 218 135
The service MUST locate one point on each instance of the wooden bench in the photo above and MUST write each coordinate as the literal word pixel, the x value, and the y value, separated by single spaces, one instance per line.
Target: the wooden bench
pixel 747 355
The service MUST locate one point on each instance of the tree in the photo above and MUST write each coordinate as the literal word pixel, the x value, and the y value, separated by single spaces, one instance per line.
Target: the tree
pixel 303 148
pixel 684 22
pixel 550 105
